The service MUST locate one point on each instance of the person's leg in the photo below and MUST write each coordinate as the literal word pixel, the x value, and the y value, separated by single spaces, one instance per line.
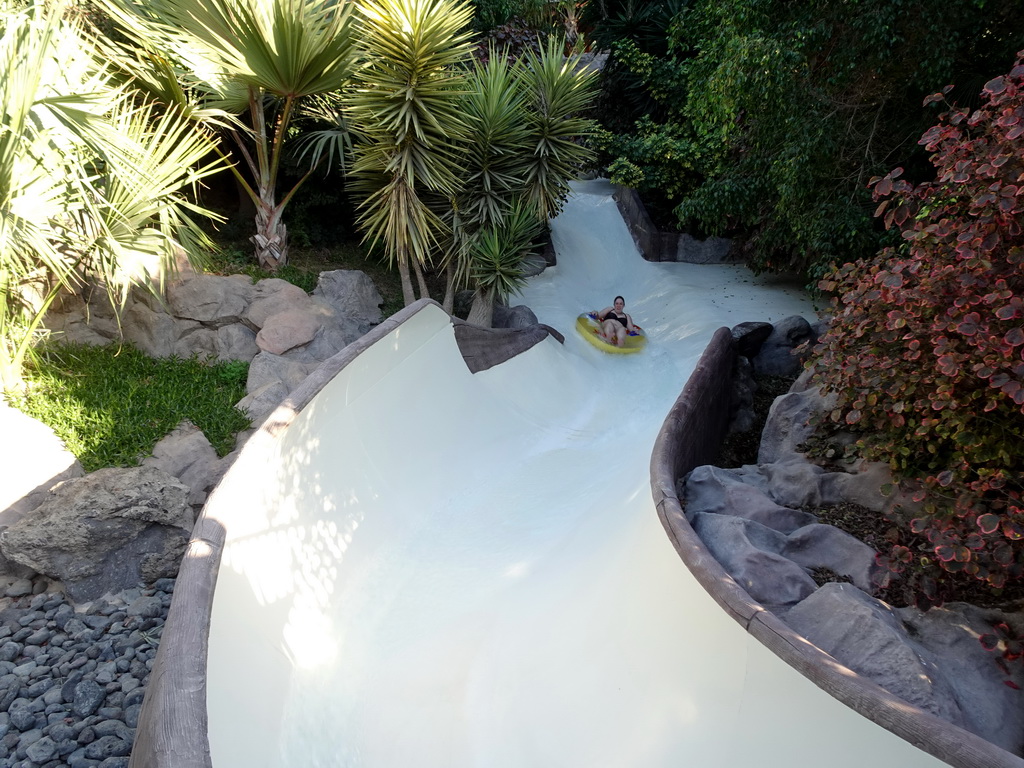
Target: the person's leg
pixel 620 334
pixel 608 330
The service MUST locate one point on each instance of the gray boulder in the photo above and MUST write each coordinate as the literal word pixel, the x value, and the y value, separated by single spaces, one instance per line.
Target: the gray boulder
pixel 725 492
pixel 210 299
pixel 749 552
pixel 351 293
pixel 825 546
pixel 287 330
pixel 949 636
pixel 267 368
pixel 796 483
pixel 713 250
pixel 868 636
pixel 236 342
pixel 105 532
pixel 777 356
pixel 336 333
pixel 187 455
pixel 533 264
pixel 273 295
pixel 789 424
pixel 863 484
pixel 195 340
pixel 153 331
pixel 748 337
pixel 262 401
pixel 519 316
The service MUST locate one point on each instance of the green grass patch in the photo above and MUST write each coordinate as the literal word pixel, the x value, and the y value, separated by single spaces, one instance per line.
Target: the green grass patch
pixel 110 405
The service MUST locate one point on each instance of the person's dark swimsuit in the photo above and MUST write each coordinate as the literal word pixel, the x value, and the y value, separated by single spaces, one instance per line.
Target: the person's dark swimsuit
pixel 623 320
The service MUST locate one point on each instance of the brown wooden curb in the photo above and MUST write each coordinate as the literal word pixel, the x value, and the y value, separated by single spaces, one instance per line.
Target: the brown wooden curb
pixel 687 440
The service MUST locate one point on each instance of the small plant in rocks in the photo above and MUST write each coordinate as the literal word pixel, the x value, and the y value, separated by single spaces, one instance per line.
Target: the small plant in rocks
pixel 926 347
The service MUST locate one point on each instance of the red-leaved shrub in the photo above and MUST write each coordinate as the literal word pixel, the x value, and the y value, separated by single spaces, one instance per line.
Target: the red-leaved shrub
pixel 926 348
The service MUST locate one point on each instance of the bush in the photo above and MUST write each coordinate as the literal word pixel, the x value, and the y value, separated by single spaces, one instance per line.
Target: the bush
pixel 926 349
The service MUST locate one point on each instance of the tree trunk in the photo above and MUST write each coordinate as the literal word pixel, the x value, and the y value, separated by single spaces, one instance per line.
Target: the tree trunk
pixel 482 312
pixel 449 288
pixel 418 269
pixel 407 293
pixel 271 238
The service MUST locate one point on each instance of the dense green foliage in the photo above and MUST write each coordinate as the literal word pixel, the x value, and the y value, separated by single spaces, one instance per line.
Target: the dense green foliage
pixel 770 116
pixel 926 347
pixel 445 146
pixel 110 405
pixel 95 178
pixel 254 69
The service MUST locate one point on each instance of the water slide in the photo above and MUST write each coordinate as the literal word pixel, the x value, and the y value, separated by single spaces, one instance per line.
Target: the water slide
pixel 437 568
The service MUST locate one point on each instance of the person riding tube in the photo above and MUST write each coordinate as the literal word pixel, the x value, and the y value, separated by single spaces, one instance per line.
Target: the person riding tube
pixel 615 323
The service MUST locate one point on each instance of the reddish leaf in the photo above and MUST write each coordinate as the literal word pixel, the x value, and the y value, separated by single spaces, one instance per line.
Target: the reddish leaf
pixel 988 523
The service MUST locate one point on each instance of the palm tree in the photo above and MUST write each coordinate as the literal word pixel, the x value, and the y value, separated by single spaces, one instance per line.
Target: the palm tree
pixel 406 110
pixel 496 257
pixel 259 63
pixel 559 94
pixel 94 183
pixel 523 148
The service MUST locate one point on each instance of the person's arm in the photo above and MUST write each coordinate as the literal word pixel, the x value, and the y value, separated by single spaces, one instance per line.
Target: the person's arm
pixel 629 323
pixel 603 313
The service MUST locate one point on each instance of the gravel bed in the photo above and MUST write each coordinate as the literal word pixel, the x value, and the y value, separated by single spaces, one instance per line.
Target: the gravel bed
pixel 72 681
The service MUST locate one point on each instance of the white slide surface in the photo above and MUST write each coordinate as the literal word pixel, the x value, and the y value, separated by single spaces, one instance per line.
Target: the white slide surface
pixel 443 569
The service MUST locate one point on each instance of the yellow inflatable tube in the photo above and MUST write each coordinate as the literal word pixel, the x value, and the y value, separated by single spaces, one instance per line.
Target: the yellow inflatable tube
pixel 590 329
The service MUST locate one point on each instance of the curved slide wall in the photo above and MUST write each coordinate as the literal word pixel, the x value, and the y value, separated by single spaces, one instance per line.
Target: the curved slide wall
pixel 429 567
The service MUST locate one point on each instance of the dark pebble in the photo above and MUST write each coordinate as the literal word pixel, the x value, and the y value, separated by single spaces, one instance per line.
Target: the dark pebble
pixel 60 731
pixel 88 698
pixel 30 737
pixel 9 687
pixel 10 650
pixel 41 751
pixel 22 718
pixel 68 689
pixel 100 623
pixel 31 618
pixel 37 689
pixel 77 759
pixel 107 746
pixel 62 616
pixel 86 736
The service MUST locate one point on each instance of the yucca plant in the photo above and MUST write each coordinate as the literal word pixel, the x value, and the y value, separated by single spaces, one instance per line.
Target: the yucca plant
pixel 560 95
pixel 496 257
pixel 263 63
pixel 521 152
pixel 92 185
pixel 407 113
pixel 492 165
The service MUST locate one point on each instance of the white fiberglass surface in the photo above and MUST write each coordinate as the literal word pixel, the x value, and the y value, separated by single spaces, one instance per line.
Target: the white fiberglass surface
pixel 442 569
